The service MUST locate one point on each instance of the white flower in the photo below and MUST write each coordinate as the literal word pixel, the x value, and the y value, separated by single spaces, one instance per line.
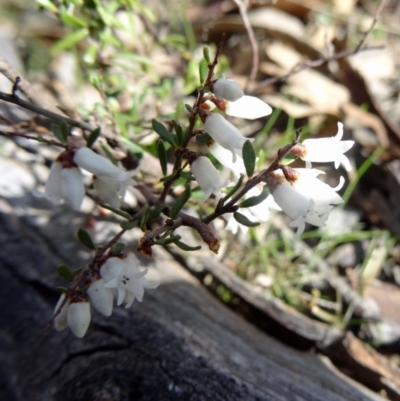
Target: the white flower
pixel 110 181
pixel 76 315
pixel 126 278
pixel 304 198
pixel 225 133
pixel 248 107
pixel 227 89
pixel 224 157
pixel 207 177
pixel 325 150
pixel 65 183
pixel 101 297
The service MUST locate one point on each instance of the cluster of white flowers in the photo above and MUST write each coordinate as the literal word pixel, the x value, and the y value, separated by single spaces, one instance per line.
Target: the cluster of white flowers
pixel 297 192
pixel 120 279
pixel 227 142
pixel 66 181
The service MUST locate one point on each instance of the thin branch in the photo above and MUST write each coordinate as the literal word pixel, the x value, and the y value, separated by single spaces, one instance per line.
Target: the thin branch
pixel 35 138
pixel 243 6
pixel 40 110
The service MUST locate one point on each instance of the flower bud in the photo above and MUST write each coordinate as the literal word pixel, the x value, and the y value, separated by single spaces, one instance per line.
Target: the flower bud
pixel 227 89
pixel 100 297
pixel 207 177
pixel 79 318
pixel 248 107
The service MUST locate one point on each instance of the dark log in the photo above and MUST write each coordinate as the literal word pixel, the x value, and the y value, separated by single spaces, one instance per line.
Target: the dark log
pixel 179 344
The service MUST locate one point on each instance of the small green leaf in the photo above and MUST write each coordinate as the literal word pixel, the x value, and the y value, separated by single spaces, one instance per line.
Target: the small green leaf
pixel 203 138
pixel 162 155
pixel 189 108
pixel 203 70
pixel 58 133
pixel 69 40
pixel 249 158
pixel 255 200
pixel 233 190
pixel 179 133
pixel 117 248
pixel 206 54
pixel 132 147
pixel 162 131
pixel 108 153
pixel 64 272
pixel 180 202
pixel 89 57
pixel 93 137
pixel 116 211
pixel 168 240
pixel 145 218
pixel 72 20
pixel 84 238
pixel 61 290
pixel 242 219
pixel 187 175
pixel 186 247
pixel 64 130
pixel 128 225
pixel 47 4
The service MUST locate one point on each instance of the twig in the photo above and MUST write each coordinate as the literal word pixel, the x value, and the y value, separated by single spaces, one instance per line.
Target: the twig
pixel 323 60
pixel 243 6
pixel 192 121
pixel 35 138
pixel 40 110
pixel 15 86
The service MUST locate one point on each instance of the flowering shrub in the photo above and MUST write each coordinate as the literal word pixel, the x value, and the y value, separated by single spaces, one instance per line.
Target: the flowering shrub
pixel 244 200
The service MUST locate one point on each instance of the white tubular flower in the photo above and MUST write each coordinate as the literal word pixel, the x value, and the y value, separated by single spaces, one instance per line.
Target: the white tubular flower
pixel 79 317
pixel 110 181
pixel 224 157
pixel 225 133
pixel 101 297
pixel 124 276
pixel 248 107
pixel 76 315
pixel 304 198
pixel 325 150
pixel 227 89
pixel 65 183
pixel 207 177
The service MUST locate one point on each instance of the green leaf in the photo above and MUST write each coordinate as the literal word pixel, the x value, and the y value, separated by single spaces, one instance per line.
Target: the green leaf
pixel 179 133
pixel 203 70
pixel 249 158
pixel 128 225
pixel 168 240
pixel 242 219
pixel 93 137
pixel 162 155
pixel 203 138
pixel 61 290
pixel 117 248
pixel 255 200
pixel 145 218
pixel 206 54
pixel 108 153
pixel 233 190
pixel 72 20
pixel 189 108
pixel 132 147
pixel 89 57
pixel 64 272
pixel 186 247
pixel 64 130
pixel 47 4
pixel 84 238
pixel 187 175
pixel 162 131
pixel 58 133
pixel 69 40
pixel 180 202
pixel 116 211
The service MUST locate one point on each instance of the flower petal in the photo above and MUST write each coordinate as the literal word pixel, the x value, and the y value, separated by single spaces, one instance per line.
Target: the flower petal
pixel 248 107
pixel 79 318
pixel 73 188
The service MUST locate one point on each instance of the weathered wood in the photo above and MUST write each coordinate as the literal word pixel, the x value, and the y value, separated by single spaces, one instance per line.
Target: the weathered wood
pixel 179 344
